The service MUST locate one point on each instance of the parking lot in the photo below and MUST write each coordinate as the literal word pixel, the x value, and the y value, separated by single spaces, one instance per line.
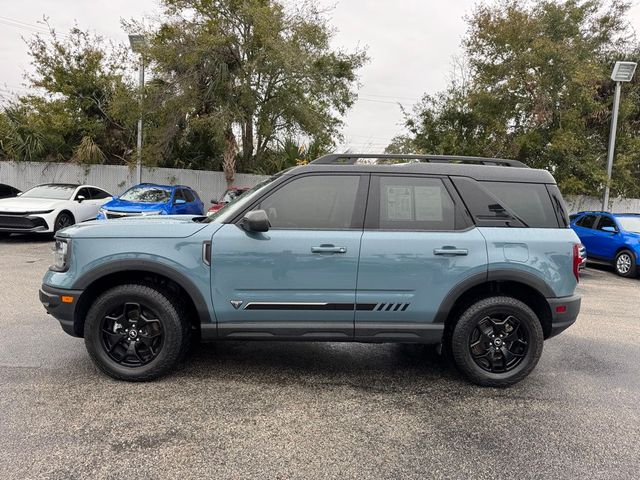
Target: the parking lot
pixel 311 410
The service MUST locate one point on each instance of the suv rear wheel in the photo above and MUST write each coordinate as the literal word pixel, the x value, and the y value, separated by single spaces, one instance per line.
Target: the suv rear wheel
pixel 497 342
pixel 625 264
pixel 136 332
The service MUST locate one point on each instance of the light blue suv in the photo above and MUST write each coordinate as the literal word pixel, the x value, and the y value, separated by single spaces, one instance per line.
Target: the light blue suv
pixel 474 254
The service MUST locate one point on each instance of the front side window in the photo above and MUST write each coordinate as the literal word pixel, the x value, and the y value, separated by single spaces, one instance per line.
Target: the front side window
pixel 606 222
pixel 414 203
pixel 314 202
pixel 83 192
pixel 146 195
pixel 98 194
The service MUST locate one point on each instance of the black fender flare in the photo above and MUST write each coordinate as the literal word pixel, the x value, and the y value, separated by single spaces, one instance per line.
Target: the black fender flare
pixel 87 278
pixel 505 275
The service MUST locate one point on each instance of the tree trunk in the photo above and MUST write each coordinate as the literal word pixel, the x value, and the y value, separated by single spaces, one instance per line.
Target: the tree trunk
pixel 247 141
pixel 229 156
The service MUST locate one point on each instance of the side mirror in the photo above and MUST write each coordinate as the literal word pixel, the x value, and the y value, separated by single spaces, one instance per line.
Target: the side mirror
pixel 609 229
pixel 80 198
pixel 180 201
pixel 256 221
pixel 18 194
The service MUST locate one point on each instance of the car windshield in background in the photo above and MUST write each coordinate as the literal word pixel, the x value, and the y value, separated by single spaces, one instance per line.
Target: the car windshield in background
pixel 146 195
pixel 56 192
pixel 231 195
pixel 630 224
pixel 227 212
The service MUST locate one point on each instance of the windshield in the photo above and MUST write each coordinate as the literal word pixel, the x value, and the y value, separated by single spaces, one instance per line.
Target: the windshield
pixel 56 192
pixel 630 224
pixel 146 195
pixel 230 195
pixel 230 210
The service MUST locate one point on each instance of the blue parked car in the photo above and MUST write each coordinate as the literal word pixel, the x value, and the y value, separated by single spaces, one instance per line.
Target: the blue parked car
pixel 151 199
pixel 612 238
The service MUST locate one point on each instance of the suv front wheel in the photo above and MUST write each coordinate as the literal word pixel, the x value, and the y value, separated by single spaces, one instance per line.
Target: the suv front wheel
pixel 497 342
pixel 136 332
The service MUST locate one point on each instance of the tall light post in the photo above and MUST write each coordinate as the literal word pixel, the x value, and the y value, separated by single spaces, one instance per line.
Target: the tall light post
pixel 138 44
pixel 622 72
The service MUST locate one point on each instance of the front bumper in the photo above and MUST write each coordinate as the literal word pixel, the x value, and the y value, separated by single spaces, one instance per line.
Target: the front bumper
pixel 564 312
pixel 64 312
pixel 22 223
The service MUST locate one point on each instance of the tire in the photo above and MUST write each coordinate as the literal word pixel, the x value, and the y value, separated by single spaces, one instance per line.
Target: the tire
pixel 625 264
pixel 488 359
pixel 162 332
pixel 64 219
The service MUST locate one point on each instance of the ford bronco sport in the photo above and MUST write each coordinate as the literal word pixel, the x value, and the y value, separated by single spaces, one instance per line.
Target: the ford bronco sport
pixel 474 254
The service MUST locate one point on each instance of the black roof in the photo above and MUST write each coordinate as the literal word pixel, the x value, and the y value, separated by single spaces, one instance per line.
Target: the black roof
pixel 487 169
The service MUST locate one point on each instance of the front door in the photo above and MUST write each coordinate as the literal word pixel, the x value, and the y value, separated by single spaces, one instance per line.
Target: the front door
pixel 416 247
pixel 299 278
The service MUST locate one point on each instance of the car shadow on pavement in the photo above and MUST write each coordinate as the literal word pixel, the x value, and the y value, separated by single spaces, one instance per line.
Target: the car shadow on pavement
pixel 383 367
pixel 27 238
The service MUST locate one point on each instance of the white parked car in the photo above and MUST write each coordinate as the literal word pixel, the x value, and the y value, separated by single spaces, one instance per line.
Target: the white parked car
pixel 48 208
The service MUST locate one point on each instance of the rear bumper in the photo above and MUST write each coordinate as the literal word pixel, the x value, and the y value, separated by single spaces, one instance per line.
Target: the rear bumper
pixel 51 299
pixel 564 312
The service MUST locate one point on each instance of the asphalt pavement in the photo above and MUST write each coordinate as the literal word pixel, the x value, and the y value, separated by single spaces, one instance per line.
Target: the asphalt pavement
pixel 313 410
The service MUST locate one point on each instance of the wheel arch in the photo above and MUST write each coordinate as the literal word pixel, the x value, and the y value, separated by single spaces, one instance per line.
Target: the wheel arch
pixel 527 288
pixel 100 279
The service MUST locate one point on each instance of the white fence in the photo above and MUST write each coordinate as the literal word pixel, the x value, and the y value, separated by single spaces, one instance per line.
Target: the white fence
pixel 117 178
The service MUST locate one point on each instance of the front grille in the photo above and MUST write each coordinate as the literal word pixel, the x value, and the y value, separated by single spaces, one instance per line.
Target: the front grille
pixel 112 214
pixel 21 222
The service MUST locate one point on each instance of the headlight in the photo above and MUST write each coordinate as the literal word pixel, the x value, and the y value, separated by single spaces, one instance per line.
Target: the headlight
pixel 155 212
pixel 103 211
pixel 61 255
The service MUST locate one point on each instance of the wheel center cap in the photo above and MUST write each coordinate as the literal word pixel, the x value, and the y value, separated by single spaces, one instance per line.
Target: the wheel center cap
pixel 133 333
pixel 497 342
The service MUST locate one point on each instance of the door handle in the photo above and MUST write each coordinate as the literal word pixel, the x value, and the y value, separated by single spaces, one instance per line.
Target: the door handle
pixel 328 249
pixel 450 251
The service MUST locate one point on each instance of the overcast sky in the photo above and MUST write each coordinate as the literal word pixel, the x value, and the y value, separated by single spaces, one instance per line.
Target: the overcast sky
pixel 411 44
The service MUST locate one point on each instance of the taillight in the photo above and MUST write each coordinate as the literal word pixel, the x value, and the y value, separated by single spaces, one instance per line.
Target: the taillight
pixel 578 259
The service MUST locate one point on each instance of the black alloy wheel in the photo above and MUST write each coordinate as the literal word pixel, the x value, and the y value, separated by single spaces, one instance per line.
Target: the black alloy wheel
pixel 132 335
pixel 137 332
pixel 497 341
pixel 498 344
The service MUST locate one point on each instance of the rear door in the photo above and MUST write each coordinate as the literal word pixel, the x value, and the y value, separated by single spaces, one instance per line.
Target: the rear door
pixel 418 244
pixel 584 228
pixel 297 280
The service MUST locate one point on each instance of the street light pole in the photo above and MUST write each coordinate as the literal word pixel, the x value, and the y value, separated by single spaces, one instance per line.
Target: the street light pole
pixel 138 44
pixel 622 72
pixel 612 145
pixel 139 142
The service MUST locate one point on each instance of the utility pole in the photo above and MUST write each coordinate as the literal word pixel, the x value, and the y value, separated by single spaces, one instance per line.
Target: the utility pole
pixel 138 44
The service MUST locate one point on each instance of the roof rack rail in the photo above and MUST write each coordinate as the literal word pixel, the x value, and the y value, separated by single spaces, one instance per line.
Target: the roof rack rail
pixel 352 159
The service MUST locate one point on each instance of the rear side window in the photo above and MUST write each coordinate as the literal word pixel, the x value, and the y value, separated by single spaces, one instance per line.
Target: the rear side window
pixel 315 202
pixel 530 202
pixel 587 221
pixel 507 204
pixel 411 203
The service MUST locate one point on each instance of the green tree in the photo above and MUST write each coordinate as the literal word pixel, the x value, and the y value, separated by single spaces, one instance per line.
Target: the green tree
pixel 244 75
pixel 82 108
pixel 537 89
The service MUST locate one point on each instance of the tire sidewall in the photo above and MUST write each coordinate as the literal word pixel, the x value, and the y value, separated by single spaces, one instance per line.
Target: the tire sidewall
pixel 467 324
pixel 632 271
pixel 167 314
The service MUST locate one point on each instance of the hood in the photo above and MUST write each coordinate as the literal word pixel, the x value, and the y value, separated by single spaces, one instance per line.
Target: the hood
pixel 25 205
pixel 118 205
pixel 154 226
